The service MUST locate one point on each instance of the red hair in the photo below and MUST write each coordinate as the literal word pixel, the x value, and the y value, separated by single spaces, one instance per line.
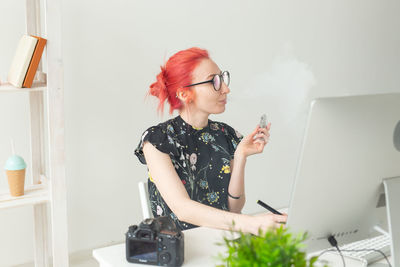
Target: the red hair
pixel 177 73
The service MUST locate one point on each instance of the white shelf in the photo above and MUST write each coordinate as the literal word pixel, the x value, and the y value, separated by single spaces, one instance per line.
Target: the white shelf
pixel 34 194
pixel 46 105
pixel 36 86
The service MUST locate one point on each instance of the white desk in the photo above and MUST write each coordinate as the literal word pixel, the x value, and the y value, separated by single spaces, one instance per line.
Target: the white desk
pixel 200 248
pixel 200 251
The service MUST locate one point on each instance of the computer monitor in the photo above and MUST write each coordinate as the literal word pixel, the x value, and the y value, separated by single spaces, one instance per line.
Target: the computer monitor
pixel 351 145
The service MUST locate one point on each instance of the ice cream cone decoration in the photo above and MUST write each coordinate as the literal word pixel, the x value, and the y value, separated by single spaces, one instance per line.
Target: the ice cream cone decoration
pixel 15 170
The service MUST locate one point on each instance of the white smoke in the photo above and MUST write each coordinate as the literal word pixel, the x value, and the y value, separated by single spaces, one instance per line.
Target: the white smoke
pixel 285 85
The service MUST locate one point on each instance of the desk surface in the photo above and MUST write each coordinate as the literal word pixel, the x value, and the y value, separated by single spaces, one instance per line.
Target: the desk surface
pixel 201 250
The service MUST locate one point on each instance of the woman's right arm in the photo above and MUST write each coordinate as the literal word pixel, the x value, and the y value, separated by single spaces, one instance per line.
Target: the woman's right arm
pixel 174 193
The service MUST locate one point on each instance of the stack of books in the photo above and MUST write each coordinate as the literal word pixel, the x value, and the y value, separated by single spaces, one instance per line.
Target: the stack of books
pixel 26 61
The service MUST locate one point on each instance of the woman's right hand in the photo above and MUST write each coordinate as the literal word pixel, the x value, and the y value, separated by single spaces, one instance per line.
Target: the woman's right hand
pixel 254 143
pixel 264 222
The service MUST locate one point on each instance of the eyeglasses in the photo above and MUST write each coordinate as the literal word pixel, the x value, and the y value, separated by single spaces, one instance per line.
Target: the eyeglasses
pixel 216 80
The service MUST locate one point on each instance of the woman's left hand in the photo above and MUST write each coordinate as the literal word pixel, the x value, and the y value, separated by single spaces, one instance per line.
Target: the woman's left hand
pixel 255 142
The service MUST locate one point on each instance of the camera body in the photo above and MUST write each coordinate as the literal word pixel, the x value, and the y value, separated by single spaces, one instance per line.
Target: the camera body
pixel 156 241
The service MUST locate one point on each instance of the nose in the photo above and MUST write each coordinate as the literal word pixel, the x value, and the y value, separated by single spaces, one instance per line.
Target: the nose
pixel 224 88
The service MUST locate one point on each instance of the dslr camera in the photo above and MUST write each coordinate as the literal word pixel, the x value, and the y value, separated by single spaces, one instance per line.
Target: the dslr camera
pixel 156 241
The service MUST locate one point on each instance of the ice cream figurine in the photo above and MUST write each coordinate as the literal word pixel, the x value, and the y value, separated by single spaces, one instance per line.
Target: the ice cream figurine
pixel 15 170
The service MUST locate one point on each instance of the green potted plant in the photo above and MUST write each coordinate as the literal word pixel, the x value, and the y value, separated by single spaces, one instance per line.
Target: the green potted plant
pixel 275 247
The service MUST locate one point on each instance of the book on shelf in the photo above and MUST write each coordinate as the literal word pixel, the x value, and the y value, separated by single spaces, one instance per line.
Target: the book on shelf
pixel 21 60
pixel 26 61
pixel 33 66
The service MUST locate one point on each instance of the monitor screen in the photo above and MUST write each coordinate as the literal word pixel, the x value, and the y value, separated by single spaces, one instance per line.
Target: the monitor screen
pixel 350 146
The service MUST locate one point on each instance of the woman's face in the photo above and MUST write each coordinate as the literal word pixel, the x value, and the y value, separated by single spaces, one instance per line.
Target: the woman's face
pixel 207 99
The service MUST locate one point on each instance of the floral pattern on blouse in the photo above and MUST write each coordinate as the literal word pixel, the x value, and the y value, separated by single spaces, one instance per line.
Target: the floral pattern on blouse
pixel 201 158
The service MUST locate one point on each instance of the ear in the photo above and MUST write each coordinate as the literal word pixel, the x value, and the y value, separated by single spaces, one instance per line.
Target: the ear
pixel 182 94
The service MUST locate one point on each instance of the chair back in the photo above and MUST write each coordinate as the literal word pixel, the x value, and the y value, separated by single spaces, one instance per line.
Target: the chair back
pixel 144 200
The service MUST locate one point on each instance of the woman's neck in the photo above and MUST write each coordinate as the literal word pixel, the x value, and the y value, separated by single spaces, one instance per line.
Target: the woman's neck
pixel 196 120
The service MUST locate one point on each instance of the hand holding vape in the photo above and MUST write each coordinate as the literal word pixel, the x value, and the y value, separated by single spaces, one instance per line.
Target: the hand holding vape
pixel 263 124
pixel 263 121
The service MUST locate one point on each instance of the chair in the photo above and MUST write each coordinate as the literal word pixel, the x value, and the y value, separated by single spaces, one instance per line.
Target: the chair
pixel 144 200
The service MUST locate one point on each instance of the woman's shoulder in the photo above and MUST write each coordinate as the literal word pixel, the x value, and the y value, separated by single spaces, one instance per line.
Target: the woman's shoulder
pixel 165 127
pixel 161 136
pixel 166 131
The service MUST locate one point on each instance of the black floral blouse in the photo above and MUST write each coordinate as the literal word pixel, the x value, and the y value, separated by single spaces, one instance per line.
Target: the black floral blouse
pixel 201 158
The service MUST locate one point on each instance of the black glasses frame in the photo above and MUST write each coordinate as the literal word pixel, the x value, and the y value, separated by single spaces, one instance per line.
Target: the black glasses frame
pixel 212 80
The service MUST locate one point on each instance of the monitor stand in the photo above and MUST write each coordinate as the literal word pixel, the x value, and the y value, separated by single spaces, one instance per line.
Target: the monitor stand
pixel 392 194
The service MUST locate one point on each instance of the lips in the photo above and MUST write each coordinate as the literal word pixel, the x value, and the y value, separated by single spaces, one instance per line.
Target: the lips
pixel 222 101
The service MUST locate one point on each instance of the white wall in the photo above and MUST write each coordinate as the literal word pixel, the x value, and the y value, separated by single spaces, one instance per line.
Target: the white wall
pixel 280 55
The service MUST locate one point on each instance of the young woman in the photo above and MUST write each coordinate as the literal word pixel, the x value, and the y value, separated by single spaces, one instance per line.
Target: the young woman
pixel 196 165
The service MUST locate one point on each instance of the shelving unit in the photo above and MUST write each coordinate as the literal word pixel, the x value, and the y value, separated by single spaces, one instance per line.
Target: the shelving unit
pixel 35 87
pixel 47 142
pixel 34 194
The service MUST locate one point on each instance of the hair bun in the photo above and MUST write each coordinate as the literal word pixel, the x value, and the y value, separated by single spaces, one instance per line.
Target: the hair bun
pixel 159 88
pixel 163 78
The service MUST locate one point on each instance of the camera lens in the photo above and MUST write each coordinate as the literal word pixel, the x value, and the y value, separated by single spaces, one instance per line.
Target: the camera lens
pixel 165 258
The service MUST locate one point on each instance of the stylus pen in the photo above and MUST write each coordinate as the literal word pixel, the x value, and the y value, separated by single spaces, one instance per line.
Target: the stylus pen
pixel 274 211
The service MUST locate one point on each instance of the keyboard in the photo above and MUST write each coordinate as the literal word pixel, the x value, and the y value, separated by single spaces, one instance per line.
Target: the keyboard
pixel 381 242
